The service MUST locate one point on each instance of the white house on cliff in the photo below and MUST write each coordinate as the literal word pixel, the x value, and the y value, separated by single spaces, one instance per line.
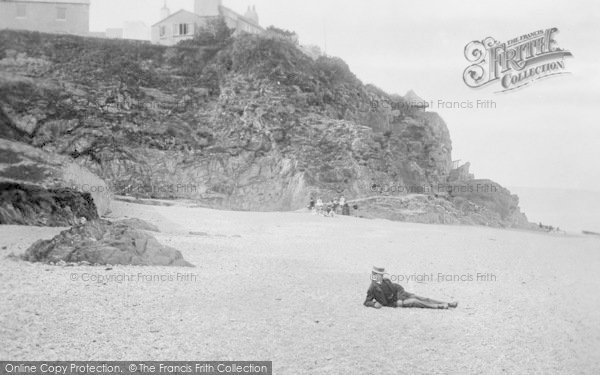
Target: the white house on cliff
pixel 49 16
pixel 181 25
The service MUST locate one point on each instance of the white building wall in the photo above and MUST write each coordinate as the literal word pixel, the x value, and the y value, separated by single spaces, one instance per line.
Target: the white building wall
pixel 167 31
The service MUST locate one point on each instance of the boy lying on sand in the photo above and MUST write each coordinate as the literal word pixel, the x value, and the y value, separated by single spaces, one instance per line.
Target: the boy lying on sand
pixel 383 292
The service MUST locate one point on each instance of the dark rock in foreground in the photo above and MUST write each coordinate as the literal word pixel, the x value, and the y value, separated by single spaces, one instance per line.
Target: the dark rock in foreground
pixel 102 242
pixel 31 205
pixel 45 189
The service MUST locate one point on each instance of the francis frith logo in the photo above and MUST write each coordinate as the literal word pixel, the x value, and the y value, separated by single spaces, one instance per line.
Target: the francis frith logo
pixel 515 63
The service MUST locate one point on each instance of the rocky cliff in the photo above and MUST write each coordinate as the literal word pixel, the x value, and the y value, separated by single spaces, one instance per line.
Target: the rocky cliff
pixel 252 123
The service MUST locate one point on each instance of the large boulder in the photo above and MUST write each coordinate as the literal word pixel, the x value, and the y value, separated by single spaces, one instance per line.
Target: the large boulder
pixel 41 188
pixel 103 242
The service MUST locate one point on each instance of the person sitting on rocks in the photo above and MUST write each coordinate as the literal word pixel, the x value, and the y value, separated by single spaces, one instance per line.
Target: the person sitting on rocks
pixel 346 209
pixel 335 204
pixel 319 205
pixel 311 204
pixel 329 209
pixel 383 292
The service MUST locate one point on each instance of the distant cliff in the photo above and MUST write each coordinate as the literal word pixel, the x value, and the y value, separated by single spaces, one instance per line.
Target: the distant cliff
pixel 249 124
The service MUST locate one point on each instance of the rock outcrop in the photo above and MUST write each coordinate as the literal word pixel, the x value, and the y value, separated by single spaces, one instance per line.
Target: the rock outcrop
pixel 435 209
pixel 106 243
pixel 40 188
pixel 490 200
pixel 33 205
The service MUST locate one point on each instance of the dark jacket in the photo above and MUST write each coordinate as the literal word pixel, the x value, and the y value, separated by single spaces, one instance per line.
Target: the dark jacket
pixel 386 293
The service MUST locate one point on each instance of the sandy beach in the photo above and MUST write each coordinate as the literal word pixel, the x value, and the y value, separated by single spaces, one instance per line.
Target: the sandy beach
pixel 289 287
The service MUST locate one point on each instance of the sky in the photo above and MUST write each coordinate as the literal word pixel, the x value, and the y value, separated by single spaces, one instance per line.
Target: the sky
pixel 545 135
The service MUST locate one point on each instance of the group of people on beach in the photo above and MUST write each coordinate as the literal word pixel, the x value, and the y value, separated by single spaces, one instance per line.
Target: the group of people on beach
pixel 332 207
pixel 548 228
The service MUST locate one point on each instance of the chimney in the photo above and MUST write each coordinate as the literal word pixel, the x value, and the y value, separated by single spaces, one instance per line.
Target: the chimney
pixel 164 12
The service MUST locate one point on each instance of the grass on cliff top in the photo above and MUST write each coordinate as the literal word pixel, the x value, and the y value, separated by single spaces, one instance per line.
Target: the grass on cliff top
pixel 138 63
pixel 325 85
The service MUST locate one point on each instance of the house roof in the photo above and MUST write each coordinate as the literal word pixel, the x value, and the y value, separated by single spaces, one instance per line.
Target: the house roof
pixel 222 10
pixel 84 2
pixel 176 13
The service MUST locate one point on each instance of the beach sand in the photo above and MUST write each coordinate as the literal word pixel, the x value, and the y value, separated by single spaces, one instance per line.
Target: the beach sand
pixel 289 287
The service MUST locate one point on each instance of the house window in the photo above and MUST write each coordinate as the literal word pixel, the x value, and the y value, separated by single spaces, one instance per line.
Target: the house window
pixel 162 31
pixel 183 29
pixel 21 11
pixel 61 14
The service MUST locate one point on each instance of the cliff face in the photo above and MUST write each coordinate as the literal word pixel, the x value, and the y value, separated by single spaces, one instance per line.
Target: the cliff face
pixel 250 124
pixel 255 124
